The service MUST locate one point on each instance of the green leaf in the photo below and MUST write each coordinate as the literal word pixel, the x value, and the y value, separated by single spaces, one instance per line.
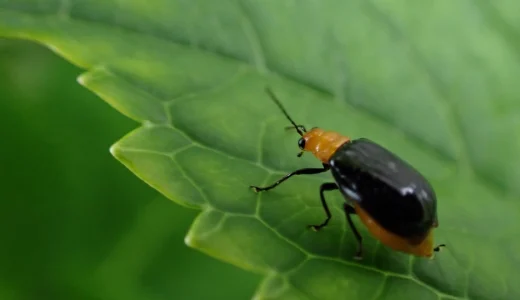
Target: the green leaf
pixel 435 82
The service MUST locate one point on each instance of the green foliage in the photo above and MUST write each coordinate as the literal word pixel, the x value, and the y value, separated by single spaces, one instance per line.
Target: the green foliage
pixel 193 73
pixel 74 223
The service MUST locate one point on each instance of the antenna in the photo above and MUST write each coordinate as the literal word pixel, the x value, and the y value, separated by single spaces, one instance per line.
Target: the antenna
pixel 299 128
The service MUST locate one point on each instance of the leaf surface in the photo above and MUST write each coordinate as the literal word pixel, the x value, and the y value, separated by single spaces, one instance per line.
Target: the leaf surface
pixel 434 82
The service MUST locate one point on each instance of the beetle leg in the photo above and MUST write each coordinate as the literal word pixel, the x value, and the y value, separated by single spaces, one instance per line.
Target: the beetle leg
pixel 306 171
pixel 329 186
pixel 349 210
pixel 439 247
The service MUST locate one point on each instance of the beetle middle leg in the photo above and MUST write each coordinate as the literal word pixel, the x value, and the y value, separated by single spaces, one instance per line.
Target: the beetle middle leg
pixel 329 186
pixel 349 210
pixel 306 171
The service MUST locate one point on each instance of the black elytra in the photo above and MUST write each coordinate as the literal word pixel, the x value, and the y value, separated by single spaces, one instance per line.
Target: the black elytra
pixel 390 190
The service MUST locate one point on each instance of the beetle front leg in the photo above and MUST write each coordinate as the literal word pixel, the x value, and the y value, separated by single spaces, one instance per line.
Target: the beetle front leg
pixel 306 171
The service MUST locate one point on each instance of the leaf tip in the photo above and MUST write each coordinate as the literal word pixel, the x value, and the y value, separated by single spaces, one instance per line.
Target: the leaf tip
pixel 96 73
pixel 188 240
pixel 81 79
pixel 114 150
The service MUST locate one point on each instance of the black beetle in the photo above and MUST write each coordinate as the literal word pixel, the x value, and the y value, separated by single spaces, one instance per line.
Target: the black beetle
pixel 393 200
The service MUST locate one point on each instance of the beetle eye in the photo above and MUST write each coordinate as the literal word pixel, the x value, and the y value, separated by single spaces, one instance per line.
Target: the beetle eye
pixel 301 143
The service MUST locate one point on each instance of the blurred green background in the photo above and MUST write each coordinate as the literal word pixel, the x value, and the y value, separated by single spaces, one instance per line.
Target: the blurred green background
pixel 74 222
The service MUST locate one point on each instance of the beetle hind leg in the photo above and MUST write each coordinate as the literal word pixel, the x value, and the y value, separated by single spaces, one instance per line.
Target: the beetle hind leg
pixel 349 211
pixel 329 186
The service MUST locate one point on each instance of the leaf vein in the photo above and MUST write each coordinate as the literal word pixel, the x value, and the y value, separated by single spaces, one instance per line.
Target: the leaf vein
pixel 449 111
pixel 190 180
pixel 508 32
pixel 253 37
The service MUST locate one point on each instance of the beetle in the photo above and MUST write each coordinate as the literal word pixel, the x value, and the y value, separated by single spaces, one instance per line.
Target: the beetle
pixel 392 199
